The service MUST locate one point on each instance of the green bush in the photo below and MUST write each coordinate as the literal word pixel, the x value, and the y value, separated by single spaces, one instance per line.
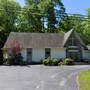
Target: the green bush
pixel 55 62
pixel 4 60
pixel 5 57
pixel 45 62
pixel 50 62
pixel 67 61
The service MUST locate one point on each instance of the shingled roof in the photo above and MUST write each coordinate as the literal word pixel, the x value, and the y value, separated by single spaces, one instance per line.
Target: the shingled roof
pixel 39 40
pixel 36 40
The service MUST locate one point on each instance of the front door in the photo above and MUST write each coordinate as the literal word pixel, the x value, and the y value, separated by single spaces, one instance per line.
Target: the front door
pixel 29 54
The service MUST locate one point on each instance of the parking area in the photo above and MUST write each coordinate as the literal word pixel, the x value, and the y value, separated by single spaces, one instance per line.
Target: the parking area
pixel 39 77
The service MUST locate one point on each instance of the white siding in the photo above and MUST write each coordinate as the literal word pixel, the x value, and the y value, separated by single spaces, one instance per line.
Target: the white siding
pixel 38 54
pixel 86 54
pixel 58 53
pixel 24 55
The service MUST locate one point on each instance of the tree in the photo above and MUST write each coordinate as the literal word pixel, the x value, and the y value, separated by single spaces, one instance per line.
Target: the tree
pixel 14 52
pixel 86 31
pixel 8 17
pixel 9 10
pixel 50 14
pixel 30 2
pixel 73 21
pixel 80 23
pixel 49 10
pixel 54 12
pixel 29 19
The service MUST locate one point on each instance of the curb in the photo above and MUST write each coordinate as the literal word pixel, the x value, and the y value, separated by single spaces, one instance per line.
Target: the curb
pixel 77 80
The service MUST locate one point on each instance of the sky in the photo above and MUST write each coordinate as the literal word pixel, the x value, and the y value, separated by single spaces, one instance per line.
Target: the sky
pixel 72 6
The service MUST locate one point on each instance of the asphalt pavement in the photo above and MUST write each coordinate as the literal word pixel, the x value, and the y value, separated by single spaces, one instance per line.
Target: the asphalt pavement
pixel 39 77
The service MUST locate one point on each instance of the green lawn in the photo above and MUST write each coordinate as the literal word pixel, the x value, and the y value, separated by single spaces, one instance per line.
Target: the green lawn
pixel 84 80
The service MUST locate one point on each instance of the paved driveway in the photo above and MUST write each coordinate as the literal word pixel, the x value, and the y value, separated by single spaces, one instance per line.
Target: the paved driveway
pixel 38 77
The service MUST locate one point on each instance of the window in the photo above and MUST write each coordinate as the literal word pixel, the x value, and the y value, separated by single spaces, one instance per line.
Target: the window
pixel 47 52
pixel 29 54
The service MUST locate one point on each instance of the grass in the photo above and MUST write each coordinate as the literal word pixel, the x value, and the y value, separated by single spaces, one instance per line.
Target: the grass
pixel 84 80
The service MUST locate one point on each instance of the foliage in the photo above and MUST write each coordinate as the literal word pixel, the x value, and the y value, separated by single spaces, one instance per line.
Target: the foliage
pixel 14 59
pixel 84 80
pixel 43 10
pixel 72 21
pixel 40 16
pixel 77 21
pixel 29 22
pixel 5 57
pixel 67 61
pixel 14 52
pixel 86 31
pixel 50 62
pixel 8 17
pixel 45 62
pixel 55 62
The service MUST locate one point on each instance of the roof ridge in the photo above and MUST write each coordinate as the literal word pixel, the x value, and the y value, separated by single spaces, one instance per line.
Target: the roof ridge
pixel 38 33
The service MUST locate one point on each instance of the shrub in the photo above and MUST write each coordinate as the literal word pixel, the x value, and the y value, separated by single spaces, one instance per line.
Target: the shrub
pixel 55 62
pixel 50 62
pixel 4 60
pixel 45 62
pixel 49 59
pixel 5 57
pixel 14 55
pixel 18 58
pixel 11 60
pixel 67 61
pixel 15 59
